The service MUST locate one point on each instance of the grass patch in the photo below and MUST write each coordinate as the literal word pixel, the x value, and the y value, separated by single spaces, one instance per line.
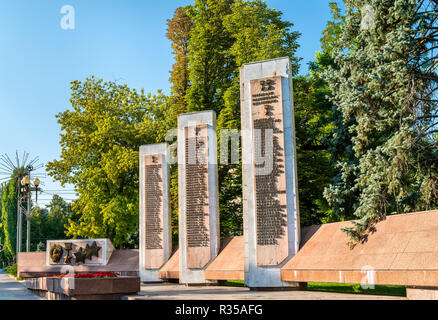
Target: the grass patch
pixel 356 288
pixel 341 288
pixel 12 270
pixel 235 283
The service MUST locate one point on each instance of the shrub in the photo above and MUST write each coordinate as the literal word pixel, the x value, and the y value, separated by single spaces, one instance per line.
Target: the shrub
pixel 11 270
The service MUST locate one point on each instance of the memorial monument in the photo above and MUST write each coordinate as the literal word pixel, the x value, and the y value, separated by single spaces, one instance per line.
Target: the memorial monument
pixel 155 222
pixel 270 191
pixel 94 252
pixel 198 195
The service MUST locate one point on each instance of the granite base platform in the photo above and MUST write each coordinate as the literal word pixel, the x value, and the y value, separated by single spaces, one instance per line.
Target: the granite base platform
pixel 69 288
pixel 33 265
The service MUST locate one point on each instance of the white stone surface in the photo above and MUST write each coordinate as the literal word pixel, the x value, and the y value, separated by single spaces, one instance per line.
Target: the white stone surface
pixel 155 149
pixel 197 276
pixel 259 276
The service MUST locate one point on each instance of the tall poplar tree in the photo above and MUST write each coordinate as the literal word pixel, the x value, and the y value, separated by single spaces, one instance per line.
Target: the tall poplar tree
pixel 258 33
pixel 225 35
pixel 211 66
pixel 178 32
pixel 9 219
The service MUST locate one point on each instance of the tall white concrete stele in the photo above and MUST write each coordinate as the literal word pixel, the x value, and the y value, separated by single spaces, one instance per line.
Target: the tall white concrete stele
pixel 198 195
pixel 270 193
pixel 155 222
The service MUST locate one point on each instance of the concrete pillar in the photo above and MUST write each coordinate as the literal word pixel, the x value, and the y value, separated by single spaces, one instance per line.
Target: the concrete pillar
pixel 155 214
pixel 198 195
pixel 270 191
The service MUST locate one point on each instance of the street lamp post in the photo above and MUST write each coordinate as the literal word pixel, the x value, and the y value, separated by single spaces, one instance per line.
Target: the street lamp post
pixel 27 190
pixel 17 171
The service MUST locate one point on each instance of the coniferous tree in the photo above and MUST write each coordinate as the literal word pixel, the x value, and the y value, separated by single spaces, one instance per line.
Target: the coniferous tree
pixel 372 80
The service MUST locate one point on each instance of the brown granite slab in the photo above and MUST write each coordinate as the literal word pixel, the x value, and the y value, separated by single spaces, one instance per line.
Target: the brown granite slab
pixel 402 251
pixel 154 212
pixel 229 264
pixel 197 201
pixel 171 269
pixel 272 246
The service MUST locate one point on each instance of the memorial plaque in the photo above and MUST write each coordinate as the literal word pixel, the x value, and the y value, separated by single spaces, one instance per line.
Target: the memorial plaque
pixel 197 200
pixel 269 172
pixel 154 211
pixel 198 205
pixel 87 252
pixel 270 189
pixel 155 230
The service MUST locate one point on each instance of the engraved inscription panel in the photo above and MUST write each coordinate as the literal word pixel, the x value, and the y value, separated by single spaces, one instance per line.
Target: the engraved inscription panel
pixel 154 211
pixel 270 185
pixel 197 201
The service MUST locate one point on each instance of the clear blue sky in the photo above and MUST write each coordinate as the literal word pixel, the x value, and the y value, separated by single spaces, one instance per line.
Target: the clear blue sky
pixel 114 40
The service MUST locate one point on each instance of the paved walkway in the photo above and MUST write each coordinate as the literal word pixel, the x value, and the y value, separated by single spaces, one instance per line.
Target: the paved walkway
pixel 10 289
pixel 176 292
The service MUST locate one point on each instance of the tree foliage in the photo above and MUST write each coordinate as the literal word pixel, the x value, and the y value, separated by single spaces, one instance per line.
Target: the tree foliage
pixel 179 33
pixel 50 223
pixel 210 65
pixel 227 34
pixel 209 41
pixel 100 142
pixel 8 221
pixel 314 131
pixel 383 81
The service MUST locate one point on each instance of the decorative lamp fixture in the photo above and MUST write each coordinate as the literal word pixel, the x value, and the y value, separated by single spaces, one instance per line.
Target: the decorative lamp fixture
pixel 26 180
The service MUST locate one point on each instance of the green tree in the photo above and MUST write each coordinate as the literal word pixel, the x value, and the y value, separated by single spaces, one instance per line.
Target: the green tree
pixel 40 228
pixel 258 33
pixel 60 212
pixel 383 82
pixel 3 258
pixel 178 32
pixel 314 126
pixel 340 144
pixel 50 223
pixel 210 65
pixel 101 137
pixel 9 219
pixel 332 33
pixel 223 35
